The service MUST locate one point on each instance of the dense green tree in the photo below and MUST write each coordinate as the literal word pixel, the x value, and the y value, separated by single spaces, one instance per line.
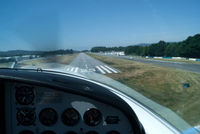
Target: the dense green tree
pixel 171 50
pixel 107 49
pixel 187 48
pixel 157 49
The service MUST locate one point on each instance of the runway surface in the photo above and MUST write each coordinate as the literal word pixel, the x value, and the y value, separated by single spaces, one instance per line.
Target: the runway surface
pixel 81 64
pixel 177 65
pixel 84 62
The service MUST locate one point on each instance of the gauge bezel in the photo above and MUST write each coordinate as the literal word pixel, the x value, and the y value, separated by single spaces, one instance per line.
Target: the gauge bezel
pixel 86 114
pixel 17 95
pixel 70 123
pixel 43 120
pixel 26 110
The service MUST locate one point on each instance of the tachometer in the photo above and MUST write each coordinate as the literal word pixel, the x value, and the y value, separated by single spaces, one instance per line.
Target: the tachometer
pixel 26 116
pixel 70 117
pixel 24 95
pixel 48 116
pixel 92 117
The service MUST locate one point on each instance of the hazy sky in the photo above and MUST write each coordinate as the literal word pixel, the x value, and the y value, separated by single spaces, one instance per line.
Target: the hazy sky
pixel 82 24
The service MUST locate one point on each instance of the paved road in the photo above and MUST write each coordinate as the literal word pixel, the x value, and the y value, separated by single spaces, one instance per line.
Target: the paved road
pixel 178 65
pixel 86 63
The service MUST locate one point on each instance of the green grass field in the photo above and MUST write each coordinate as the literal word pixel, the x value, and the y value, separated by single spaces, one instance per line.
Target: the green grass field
pixel 6 65
pixel 163 85
pixel 63 59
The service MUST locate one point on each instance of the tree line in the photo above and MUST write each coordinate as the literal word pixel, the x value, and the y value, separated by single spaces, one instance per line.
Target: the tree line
pixel 61 51
pixel 41 53
pixel 107 49
pixel 189 48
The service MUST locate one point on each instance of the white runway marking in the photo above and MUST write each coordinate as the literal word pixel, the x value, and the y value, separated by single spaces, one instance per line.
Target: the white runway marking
pixel 86 66
pixel 72 69
pixel 13 64
pixel 105 69
pixel 100 70
pixel 111 69
pixel 76 69
pixel 68 69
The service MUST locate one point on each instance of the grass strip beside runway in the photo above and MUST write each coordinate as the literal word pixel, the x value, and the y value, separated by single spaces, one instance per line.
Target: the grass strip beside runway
pixel 161 84
pixel 62 59
pixel 6 65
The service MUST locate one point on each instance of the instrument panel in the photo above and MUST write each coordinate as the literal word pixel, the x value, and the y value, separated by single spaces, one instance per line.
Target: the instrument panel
pixel 42 110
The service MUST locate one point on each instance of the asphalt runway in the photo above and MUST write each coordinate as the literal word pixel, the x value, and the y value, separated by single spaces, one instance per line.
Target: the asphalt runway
pixel 177 65
pixel 81 64
pixel 84 62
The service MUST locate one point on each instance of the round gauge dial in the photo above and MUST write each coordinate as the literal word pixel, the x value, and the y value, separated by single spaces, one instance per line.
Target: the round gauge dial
pixel 26 132
pixel 24 95
pixel 70 117
pixel 113 132
pixel 48 116
pixel 26 116
pixel 48 132
pixel 92 132
pixel 92 117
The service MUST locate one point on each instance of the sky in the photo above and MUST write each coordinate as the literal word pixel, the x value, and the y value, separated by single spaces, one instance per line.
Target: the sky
pixel 83 24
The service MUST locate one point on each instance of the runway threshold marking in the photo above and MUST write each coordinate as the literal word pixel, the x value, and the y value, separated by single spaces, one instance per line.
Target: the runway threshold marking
pixel 68 69
pixel 86 66
pixel 100 69
pixel 111 69
pixel 72 69
pixel 105 69
pixel 76 69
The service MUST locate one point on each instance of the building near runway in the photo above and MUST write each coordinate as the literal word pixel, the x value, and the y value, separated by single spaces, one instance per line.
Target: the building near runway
pixel 120 53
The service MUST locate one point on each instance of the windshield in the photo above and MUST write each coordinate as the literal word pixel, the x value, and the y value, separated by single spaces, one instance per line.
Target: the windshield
pixel 147 49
